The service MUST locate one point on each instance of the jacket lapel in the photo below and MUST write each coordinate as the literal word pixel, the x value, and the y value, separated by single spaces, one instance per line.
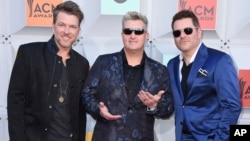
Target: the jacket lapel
pixel 119 62
pixel 147 79
pixel 199 61
pixel 177 77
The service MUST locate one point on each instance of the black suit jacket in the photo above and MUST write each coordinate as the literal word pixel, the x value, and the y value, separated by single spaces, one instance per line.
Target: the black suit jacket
pixel 30 100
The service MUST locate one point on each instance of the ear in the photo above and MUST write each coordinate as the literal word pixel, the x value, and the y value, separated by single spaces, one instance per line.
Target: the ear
pixel 199 30
pixel 79 31
pixel 147 36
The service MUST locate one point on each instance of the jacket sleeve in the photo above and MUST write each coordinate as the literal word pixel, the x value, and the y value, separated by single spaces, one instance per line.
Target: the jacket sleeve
pixel 229 96
pixel 90 90
pixel 16 97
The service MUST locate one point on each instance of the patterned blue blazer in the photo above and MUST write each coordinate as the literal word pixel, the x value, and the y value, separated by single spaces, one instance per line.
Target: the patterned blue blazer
pixel 105 83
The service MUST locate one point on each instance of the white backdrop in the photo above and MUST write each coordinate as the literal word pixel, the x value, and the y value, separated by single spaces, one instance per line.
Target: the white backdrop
pixel 101 34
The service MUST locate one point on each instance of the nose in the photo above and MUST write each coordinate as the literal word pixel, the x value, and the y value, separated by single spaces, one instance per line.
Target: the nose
pixel 66 29
pixel 132 34
pixel 182 34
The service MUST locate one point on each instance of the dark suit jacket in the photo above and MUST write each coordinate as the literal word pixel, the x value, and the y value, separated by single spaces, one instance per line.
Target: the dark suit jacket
pixel 30 100
pixel 213 100
pixel 105 83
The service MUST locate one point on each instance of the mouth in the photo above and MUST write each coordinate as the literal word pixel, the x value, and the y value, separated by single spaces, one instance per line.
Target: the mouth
pixel 184 41
pixel 132 41
pixel 65 37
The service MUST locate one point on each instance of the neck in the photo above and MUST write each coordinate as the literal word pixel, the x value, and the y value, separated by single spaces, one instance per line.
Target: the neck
pixel 187 59
pixel 134 58
pixel 187 55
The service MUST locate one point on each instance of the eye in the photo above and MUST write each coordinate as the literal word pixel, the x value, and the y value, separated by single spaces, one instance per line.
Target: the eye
pixel 60 24
pixel 74 27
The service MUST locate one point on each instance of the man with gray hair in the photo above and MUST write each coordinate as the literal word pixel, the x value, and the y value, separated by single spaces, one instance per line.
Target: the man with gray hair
pixel 126 90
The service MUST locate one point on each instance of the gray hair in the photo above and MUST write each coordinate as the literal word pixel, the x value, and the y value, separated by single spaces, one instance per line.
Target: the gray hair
pixel 133 15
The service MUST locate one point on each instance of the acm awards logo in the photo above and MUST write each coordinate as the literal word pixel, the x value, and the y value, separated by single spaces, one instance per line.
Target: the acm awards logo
pixel 38 10
pixel 244 90
pixel 203 12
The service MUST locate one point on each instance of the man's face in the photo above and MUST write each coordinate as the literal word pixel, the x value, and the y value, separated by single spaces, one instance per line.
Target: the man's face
pixel 134 35
pixel 187 37
pixel 66 30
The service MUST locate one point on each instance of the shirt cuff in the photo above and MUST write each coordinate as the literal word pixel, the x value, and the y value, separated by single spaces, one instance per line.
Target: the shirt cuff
pixel 151 109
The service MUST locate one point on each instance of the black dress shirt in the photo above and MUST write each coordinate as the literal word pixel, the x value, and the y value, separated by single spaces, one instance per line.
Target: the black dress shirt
pixel 60 128
pixel 133 76
pixel 185 72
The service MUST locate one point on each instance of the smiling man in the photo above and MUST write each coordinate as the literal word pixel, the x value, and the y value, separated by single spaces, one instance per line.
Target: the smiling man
pixel 126 90
pixel 46 80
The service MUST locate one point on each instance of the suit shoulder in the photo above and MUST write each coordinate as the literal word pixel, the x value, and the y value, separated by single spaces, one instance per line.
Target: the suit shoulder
pixel 32 49
pixel 155 62
pixel 216 53
pixel 109 56
pixel 32 46
pixel 80 57
pixel 173 59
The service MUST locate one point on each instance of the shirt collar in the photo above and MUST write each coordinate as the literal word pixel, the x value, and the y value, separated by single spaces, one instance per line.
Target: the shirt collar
pixel 54 48
pixel 126 62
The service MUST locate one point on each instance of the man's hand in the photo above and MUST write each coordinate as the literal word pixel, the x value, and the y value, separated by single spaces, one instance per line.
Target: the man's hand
pixel 150 100
pixel 106 114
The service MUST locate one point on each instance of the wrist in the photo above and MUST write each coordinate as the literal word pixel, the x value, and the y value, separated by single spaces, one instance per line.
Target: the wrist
pixel 151 108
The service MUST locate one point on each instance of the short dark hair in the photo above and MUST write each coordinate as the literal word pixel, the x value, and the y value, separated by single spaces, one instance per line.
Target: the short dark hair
pixel 69 7
pixel 185 14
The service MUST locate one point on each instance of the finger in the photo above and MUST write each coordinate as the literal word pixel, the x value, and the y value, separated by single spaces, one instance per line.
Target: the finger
pixel 114 117
pixel 142 95
pixel 101 104
pixel 103 109
pixel 109 116
pixel 106 114
pixel 160 93
pixel 149 95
